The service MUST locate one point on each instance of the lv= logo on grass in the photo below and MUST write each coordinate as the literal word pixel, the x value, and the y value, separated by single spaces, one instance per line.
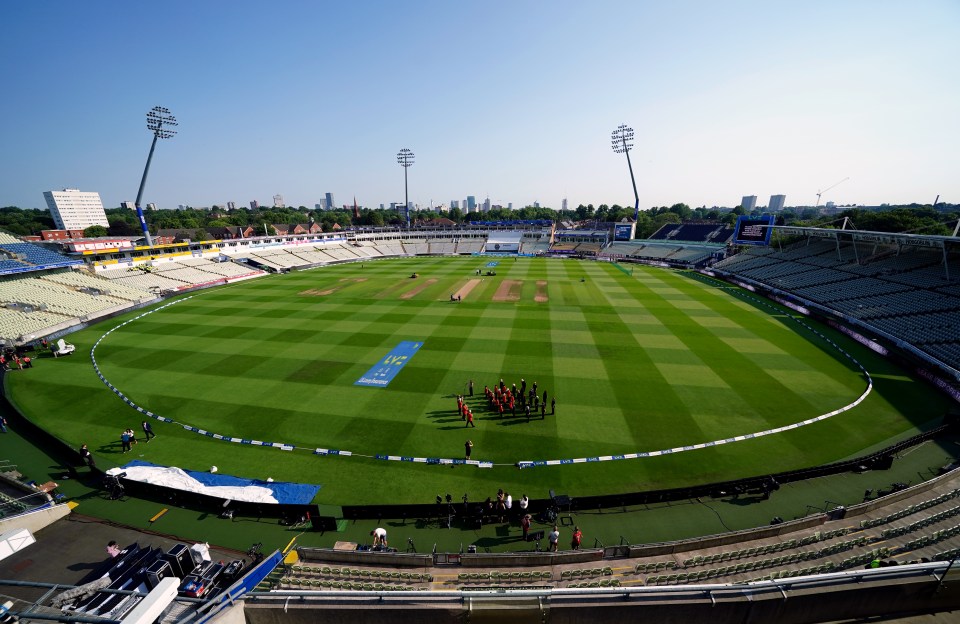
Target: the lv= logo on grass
pixel 386 369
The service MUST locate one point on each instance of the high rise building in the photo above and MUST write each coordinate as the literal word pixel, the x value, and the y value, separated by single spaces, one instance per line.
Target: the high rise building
pixel 563 204
pixel 536 204
pixel 749 202
pixel 454 203
pixel 510 206
pixel 254 205
pixel 776 202
pixel 486 205
pixel 128 205
pixel 278 201
pixel 231 205
pixel 73 209
pixel 331 205
pixel 151 207
pixel 471 203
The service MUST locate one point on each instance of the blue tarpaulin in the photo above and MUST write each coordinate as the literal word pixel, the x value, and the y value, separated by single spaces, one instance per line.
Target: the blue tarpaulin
pixel 286 493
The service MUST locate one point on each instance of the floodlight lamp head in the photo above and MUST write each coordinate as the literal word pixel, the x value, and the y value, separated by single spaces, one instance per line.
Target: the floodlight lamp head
pixel 621 140
pixel 405 157
pixel 159 121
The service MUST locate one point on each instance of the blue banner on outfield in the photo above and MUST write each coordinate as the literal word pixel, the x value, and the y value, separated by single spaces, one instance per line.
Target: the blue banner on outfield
pixel 490 265
pixel 386 369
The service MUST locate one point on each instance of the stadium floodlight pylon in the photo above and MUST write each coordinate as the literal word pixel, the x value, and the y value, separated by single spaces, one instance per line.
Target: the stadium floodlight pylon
pixel 159 121
pixel 405 158
pixel 622 142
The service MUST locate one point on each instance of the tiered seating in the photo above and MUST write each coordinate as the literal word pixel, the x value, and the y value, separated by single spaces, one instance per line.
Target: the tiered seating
pixel 416 248
pixel 922 329
pixel 928 540
pixel 190 275
pixel 81 279
pixel 226 269
pixel 349 252
pixel 694 232
pixel 497 577
pixel 654 252
pixel 365 250
pixel 922 523
pixel 34 254
pixel 531 247
pixel 338 253
pixel 391 248
pixel 442 246
pixel 347 578
pixel 8 238
pixel 309 255
pixel 276 258
pixel 148 282
pixel 115 273
pixel 692 255
pixel 902 292
pixel 16 323
pixel 12 264
pixel 54 297
pixel 910 510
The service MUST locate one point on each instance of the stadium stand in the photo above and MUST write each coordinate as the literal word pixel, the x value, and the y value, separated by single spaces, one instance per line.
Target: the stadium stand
pixel 694 232
pixel 34 254
pixel 903 293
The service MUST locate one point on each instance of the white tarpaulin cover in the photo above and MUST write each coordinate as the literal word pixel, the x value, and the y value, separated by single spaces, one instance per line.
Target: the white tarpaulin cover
pixel 176 478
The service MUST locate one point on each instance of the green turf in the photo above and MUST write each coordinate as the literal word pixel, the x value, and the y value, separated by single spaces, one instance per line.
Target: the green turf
pixel 651 361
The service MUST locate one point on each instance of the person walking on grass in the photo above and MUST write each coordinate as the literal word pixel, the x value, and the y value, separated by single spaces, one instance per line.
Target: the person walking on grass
pixel 148 431
pixel 467 449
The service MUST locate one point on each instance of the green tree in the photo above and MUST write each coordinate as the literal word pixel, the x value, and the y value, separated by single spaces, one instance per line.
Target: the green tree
pixel 122 227
pixel 95 231
pixel 681 210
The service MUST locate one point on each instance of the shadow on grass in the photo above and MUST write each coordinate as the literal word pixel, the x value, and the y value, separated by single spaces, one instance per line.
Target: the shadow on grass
pixel 743 501
pixel 520 420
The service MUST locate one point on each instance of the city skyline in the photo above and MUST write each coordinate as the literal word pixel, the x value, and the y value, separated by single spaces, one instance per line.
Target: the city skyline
pixel 740 99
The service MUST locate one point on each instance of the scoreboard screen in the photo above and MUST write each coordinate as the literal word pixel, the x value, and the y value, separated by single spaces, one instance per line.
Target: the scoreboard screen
pixel 753 230
pixel 623 232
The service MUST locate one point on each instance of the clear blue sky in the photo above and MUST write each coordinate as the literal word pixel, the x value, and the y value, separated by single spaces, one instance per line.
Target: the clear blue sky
pixel 515 100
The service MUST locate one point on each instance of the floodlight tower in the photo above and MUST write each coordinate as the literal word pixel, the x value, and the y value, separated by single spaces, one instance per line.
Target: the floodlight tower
pixel 159 121
pixel 622 142
pixel 405 158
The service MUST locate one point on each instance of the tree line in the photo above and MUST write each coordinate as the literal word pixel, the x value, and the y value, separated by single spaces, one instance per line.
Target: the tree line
pixel 123 222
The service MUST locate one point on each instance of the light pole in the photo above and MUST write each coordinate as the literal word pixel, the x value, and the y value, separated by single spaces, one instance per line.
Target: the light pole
pixel 622 142
pixel 159 120
pixel 405 158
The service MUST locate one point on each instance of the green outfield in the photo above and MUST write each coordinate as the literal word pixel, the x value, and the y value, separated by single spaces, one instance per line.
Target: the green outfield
pixel 644 362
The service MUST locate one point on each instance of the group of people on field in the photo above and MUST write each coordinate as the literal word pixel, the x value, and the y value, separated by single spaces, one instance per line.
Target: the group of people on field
pixel 503 398
pixel 127 439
